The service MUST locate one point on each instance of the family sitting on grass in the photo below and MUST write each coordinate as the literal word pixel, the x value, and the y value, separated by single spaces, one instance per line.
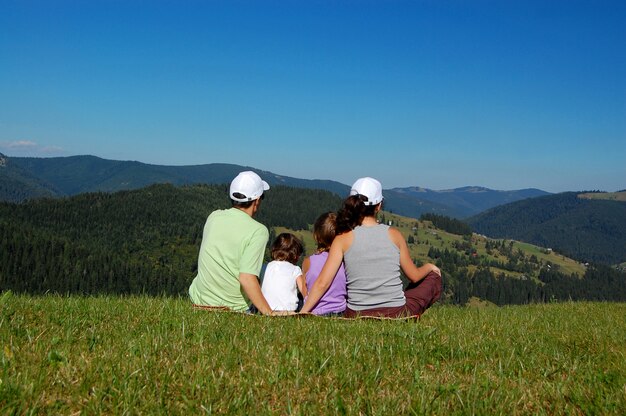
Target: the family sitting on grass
pixel 355 271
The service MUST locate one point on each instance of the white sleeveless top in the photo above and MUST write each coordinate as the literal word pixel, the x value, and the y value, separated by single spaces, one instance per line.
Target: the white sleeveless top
pixel 279 285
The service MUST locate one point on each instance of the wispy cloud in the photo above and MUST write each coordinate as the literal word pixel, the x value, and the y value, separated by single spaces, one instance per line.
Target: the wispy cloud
pixel 19 144
pixel 28 148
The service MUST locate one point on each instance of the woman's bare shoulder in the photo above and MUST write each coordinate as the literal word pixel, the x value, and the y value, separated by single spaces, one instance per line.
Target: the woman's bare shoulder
pixel 395 232
pixel 344 240
pixel 395 235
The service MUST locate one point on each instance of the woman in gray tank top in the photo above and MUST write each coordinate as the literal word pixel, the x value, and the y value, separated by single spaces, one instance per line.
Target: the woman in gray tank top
pixel 373 255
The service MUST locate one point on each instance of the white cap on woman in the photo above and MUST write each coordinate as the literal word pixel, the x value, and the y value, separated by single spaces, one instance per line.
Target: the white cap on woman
pixel 369 188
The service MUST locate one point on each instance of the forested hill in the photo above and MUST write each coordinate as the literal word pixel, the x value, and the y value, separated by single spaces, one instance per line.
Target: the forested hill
pixel 582 228
pixel 17 184
pixel 127 242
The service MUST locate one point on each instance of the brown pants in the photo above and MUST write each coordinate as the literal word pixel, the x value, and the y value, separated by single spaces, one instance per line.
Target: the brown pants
pixel 419 297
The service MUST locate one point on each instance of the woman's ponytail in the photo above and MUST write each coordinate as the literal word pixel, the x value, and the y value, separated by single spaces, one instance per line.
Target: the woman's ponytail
pixel 352 213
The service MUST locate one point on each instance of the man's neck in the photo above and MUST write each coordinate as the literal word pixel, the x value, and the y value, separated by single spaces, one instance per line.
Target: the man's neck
pixel 251 210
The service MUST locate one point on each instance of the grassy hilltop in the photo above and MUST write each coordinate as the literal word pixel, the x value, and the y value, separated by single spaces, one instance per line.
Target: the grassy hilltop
pixel 610 196
pixel 142 355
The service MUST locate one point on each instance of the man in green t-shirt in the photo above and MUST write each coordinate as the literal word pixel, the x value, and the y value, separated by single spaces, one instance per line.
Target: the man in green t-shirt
pixel 231 253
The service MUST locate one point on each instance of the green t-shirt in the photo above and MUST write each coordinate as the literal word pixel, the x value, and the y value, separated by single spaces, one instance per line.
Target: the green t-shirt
pixel 232 243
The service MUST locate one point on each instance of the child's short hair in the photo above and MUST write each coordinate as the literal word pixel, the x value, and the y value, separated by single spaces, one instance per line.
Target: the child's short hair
pixel 287 247
pixel 325 230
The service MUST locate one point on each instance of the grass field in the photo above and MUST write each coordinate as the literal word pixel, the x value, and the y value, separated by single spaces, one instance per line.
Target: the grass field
pixel 140 355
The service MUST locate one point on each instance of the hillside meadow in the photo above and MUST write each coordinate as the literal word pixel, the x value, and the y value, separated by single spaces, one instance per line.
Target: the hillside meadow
pixel 150 355
pixel 426 235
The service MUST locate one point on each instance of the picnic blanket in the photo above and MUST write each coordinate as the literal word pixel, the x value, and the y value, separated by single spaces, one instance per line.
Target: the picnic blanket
pixel 224 309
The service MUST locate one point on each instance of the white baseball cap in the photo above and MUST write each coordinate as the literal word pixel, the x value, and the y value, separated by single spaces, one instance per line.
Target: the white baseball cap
pixel 248 184
pixel 370 188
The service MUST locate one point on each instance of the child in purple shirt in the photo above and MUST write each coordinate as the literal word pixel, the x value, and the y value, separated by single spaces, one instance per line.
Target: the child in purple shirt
pixel 333 303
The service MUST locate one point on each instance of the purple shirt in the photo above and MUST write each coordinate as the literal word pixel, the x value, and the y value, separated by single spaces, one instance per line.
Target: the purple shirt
pixel 334 300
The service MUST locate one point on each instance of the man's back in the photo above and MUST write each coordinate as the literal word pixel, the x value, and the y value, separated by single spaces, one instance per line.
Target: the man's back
pixel 232 243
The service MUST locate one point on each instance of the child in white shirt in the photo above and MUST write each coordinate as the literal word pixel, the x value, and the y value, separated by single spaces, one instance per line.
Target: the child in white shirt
pixel 283 277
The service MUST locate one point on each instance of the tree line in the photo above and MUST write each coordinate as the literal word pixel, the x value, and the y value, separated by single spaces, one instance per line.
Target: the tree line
pixel 451 225
pixel 600 283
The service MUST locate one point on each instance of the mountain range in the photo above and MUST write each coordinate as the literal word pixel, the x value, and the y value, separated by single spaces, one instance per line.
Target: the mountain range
pixel 24 178
pixel 588 227
pixel 470 200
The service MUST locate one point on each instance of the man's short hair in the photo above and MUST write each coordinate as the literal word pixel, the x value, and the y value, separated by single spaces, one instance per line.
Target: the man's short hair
pixel 244 205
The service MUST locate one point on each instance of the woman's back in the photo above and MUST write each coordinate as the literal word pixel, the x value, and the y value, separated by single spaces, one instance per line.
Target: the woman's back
pixel 373 269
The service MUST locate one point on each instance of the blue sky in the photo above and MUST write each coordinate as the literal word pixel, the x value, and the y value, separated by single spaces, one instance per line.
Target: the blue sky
pixel 439 94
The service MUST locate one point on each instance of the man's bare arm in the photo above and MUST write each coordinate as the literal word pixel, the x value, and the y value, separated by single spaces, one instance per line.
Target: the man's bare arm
pixel 252 288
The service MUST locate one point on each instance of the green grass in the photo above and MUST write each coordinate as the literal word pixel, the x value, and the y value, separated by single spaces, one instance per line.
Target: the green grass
pixel 140 355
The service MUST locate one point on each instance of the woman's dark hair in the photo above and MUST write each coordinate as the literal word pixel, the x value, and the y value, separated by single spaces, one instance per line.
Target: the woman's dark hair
pixel 352 213
pixel 287 247
pixel 325 230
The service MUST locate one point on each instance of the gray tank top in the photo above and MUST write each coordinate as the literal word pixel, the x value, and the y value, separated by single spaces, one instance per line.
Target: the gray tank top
pixel 373 270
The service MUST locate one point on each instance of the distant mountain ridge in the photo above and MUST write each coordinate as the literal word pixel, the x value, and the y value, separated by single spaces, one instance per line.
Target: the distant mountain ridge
pixel 27 177
pixel 470 200
pixel 78 174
